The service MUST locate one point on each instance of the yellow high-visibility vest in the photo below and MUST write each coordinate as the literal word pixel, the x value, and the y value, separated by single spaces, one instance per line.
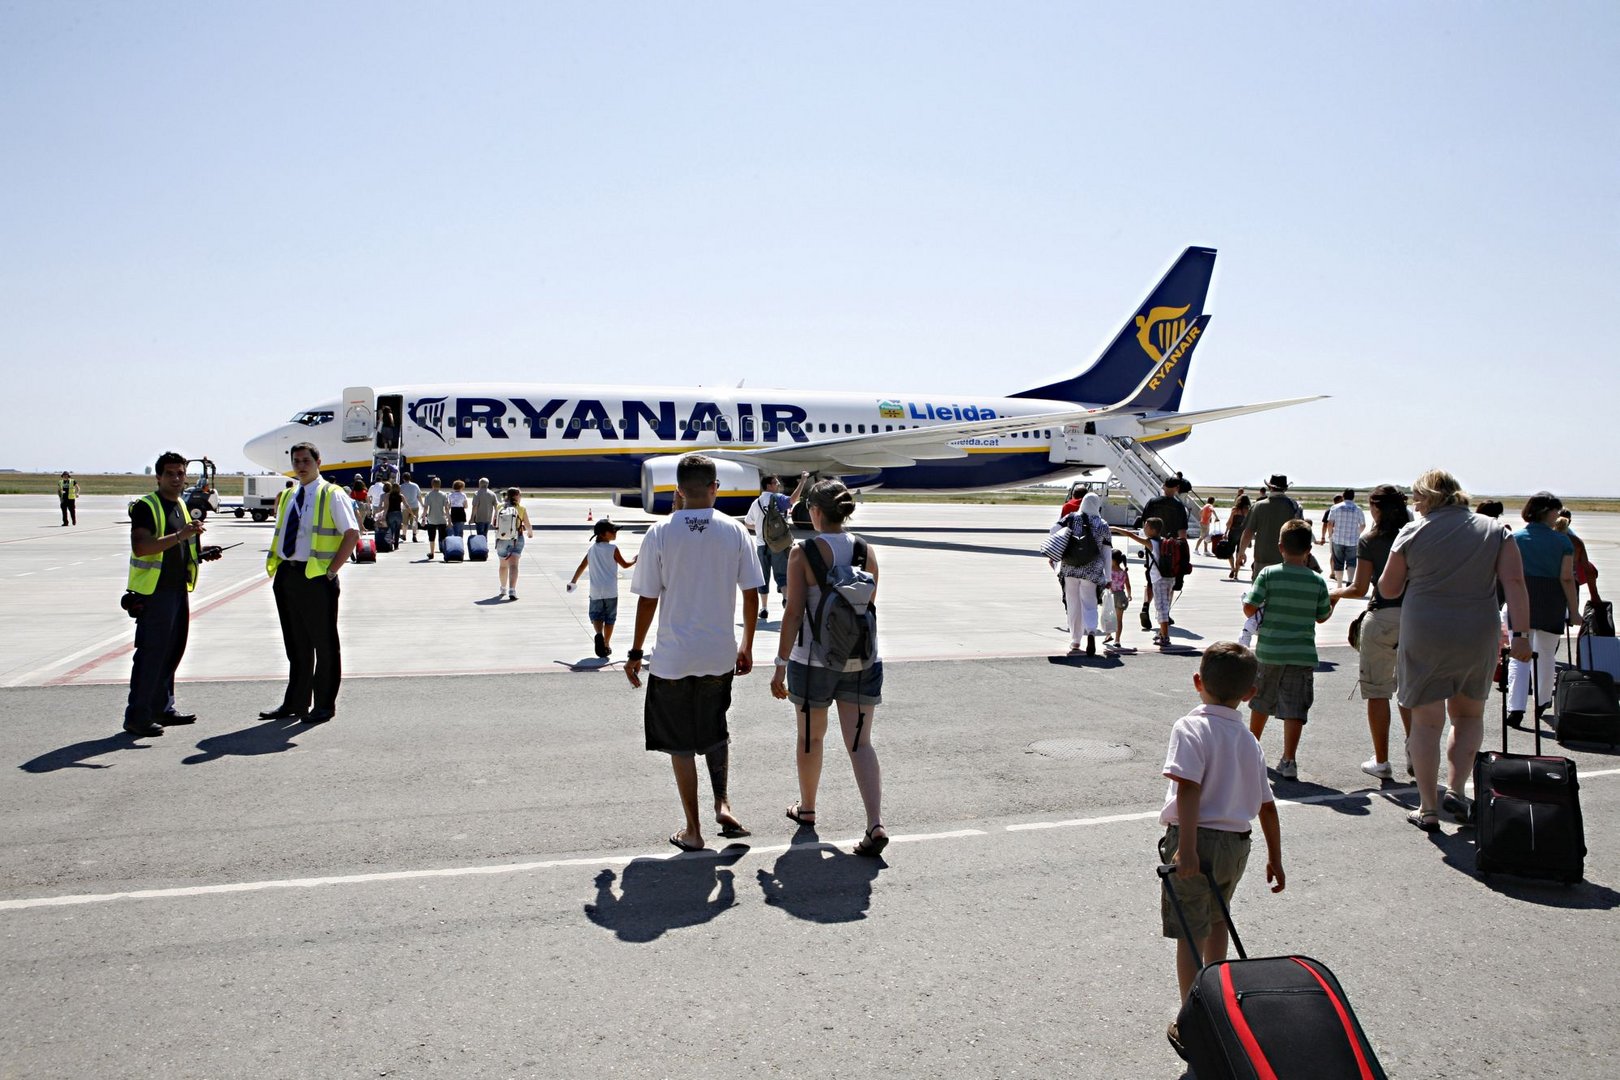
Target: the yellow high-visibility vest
pixel 70 489
pixel 325 538
pixel 144 570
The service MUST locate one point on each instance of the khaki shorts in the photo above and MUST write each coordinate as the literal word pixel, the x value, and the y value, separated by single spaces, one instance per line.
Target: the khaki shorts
pixel 1286 691
pixel 1380 634
pixel 1228 855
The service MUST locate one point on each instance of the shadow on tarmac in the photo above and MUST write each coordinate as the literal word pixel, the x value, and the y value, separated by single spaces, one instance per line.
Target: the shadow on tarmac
pixel 1457 852
pixel 1081 660
pixel 659 895
pixel 270 737
pixel 1338 801
pixel 73 757
pixel 819 883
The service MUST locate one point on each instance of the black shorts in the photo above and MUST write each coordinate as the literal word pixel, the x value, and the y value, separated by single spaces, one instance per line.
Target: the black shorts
pixel 458 515
pixel 436 532
pixel 687 716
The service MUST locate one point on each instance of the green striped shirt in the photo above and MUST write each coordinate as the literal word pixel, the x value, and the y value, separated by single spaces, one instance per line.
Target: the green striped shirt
pixel 1295 598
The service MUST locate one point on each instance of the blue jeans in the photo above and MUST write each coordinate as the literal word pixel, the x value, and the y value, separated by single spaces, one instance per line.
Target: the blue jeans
pixel 396 522
pixel 773 564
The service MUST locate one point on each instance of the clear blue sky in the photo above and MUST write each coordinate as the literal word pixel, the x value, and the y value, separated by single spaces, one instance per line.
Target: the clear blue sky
pixel 215 214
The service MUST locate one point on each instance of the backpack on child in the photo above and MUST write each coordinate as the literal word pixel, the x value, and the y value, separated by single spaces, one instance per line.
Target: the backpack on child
pixel 843 626
pixel 774 529
pixel 507 523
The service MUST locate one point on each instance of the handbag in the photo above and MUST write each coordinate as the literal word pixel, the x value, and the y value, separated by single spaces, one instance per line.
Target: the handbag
pixel 1355 631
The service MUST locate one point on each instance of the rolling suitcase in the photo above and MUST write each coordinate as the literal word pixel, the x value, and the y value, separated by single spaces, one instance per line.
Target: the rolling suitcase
pixel 455 549
pixel 1280 1017
pixel 478 548
pixel 1598 653
pixel 1585 703
pixel 365 550
pixel 385 543
pixel 1527 809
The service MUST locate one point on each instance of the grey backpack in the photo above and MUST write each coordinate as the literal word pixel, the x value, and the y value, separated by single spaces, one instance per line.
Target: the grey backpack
pixel 843 626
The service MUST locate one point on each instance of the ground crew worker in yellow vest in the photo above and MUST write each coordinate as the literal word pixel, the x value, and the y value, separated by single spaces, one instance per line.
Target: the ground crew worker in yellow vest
pixel 164 553
pixel 316 532
pixel 68 492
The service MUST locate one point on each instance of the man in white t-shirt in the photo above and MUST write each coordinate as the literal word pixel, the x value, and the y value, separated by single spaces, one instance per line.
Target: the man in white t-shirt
pixel 694 563
pixel 412 492
pixel 771 563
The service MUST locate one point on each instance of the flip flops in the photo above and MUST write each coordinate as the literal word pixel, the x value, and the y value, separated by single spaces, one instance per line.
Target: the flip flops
pixel 675 838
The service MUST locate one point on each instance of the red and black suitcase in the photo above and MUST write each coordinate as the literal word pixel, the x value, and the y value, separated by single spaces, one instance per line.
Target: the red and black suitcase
pixel 1527 809
pixel 1278 1018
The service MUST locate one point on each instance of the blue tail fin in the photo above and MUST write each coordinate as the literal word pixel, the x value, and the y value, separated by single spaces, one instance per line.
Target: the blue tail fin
pixel 1160 333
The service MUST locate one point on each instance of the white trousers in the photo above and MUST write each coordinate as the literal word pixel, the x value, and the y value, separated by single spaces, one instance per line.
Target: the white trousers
pixel 1545 646
pixel 1082 597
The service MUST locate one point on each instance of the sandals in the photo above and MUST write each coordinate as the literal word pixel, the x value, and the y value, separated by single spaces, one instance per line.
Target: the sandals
pixel 807 818
pixel 872 846
pixel 675 838
pixel 1427 820
pixel 732 831
pixel 1458 807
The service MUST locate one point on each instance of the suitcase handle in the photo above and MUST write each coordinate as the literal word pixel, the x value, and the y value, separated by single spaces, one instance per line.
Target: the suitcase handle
pixel 1535 697
pixel 1166 871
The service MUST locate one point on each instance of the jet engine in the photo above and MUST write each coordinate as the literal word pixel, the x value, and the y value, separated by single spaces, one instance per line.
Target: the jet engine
pixel 739 485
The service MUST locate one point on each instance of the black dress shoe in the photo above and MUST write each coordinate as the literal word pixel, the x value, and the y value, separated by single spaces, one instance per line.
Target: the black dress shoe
pixel 319 716
pixel 170 719
pixel 282 713
pixel 144 731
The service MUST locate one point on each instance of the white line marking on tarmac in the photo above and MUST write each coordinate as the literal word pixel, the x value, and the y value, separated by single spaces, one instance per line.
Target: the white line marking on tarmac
pixel 622 860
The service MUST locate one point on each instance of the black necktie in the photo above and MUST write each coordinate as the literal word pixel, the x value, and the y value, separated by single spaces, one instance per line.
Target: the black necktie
pixel 289 537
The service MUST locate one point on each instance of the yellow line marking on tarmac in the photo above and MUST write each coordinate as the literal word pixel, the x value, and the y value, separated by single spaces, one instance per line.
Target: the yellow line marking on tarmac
pixel 615 860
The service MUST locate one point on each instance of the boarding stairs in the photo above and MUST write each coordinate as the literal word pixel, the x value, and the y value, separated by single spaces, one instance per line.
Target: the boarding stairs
pixel 1134 468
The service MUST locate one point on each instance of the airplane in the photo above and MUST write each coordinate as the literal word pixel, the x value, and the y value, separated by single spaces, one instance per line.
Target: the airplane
pixel 1114 415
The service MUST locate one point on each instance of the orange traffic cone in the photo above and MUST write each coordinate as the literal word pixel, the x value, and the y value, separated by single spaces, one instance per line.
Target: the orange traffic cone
pixel 587 514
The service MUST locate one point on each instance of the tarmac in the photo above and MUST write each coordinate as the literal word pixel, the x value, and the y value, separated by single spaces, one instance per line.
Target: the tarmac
pixel 467 876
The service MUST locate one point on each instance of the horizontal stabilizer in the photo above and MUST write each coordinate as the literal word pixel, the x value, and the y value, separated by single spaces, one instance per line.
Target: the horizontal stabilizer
pixel 1173 421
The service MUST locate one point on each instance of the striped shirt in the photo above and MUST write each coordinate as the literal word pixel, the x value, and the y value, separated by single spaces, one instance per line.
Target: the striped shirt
pixel 1295 599
pixel 1348 522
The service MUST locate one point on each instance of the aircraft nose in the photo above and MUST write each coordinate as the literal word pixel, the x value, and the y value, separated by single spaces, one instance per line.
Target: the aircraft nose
pixel 269 451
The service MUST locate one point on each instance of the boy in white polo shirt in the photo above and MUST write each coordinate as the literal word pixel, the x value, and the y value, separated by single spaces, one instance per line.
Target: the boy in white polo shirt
pixel 1218 785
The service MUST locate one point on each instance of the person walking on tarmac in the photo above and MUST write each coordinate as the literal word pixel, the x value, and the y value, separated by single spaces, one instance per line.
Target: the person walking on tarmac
pixel 316 532
pixel 163 559
pixel 68 493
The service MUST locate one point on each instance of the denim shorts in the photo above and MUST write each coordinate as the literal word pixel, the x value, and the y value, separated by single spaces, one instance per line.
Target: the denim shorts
pixel 505 549
pixel 819 687
pixel 605 612
pixel 1344 556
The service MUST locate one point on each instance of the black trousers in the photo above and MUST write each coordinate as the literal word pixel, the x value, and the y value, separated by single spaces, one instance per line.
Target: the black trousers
pixel 160 642
pixel 70 506
pixel 308 608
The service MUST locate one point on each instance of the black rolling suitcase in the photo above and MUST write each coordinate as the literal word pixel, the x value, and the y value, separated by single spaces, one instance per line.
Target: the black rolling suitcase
pixel 1586 705
pixel 1283 1017
pixel 1527 809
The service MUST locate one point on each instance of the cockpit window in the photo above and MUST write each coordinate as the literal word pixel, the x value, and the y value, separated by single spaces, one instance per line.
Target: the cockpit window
pixel 314 417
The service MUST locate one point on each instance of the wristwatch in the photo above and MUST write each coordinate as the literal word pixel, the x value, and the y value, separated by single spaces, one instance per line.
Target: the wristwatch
pixel 781 661
pixel 635 655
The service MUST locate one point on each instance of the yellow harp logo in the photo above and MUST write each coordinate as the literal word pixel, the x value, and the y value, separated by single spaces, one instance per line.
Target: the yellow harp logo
pixel 1159 329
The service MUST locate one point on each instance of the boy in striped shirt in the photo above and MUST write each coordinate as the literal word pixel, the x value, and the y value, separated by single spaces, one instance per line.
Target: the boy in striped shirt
pixel 1295 599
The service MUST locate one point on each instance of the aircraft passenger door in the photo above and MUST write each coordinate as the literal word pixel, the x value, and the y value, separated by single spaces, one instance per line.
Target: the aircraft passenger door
pixel 359 415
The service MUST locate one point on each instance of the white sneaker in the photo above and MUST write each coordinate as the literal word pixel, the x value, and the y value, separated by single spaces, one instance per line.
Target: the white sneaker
pixel 1381 769
pixel 1288 769
pixel 512 595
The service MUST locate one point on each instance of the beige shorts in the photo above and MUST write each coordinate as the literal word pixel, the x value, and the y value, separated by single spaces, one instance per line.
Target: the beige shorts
pixel 1228 855
pixel 1380 634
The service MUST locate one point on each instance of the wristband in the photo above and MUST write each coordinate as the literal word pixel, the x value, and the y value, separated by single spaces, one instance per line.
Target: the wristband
pixel 781 661
pixel 634 655
pixel 1517 634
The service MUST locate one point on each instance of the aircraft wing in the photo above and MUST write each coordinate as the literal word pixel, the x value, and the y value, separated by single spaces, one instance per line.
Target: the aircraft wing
pixel 896 449
pixel 1176 420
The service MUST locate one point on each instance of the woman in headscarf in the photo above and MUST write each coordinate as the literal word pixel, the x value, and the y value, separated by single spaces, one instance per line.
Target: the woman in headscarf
pixel 1083 584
